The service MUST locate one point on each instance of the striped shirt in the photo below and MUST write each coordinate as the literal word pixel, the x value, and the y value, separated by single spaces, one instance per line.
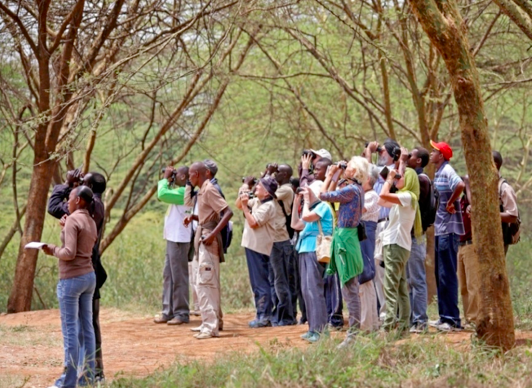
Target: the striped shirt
pixel 445 181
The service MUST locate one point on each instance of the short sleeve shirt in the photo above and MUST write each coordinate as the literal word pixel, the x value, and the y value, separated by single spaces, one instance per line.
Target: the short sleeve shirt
pixel 210 203
pixel 508 199
pixel 351 199
pixel 371 199
pixel 402 217
pixel 445 181
pixel 307 237
pixel 285 194
pixel 260 239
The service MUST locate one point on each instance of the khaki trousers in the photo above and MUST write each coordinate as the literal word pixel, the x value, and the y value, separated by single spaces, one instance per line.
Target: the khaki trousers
pixel 208 287
pixel 193 271
pixel 469 281
pixel 396 288
pixel 369 320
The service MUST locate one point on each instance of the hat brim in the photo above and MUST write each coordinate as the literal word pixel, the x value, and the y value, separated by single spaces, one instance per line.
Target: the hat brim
pixel 434 145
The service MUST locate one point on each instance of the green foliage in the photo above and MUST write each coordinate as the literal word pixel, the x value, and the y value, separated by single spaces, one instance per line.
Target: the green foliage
pixel 371 362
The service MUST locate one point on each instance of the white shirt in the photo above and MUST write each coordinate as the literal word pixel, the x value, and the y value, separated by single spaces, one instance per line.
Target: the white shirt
pixel 174 230
pixel 401 222
pixel 372 207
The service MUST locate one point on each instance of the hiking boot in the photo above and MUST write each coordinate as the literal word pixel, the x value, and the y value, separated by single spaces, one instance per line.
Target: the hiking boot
pixel 175 321
pixel 161 319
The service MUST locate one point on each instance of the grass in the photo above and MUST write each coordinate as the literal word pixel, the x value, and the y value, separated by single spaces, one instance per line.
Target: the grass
pixel 372 362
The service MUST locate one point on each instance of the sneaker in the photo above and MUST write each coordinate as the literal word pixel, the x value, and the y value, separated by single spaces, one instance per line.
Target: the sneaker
pixel 446 327
pixel 347 342
pixel 306 335
pixel 435 323
pixel 175 321
pixel 255 324
pixel 203 335
pixel 419 328
pixel 197 329
pixel 313 337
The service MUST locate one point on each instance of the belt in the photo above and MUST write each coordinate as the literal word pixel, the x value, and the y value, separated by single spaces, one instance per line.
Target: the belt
pixel 467 242
pixel 382 220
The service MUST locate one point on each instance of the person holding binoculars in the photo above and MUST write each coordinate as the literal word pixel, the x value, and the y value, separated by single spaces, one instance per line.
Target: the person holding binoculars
pixel 257 239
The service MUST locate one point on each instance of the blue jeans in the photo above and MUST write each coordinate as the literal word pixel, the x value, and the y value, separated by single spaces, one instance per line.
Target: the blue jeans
pixel 260 276
pixel 75 304
pixel 280 259
pixel 417 281
pixel 446 278
pixel 367 247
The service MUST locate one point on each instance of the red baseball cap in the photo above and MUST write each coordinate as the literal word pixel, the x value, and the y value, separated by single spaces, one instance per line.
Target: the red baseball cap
pixel 444 148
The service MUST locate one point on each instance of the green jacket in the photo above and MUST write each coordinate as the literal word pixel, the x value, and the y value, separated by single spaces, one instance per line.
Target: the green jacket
pixel 346 257
pixel 170 195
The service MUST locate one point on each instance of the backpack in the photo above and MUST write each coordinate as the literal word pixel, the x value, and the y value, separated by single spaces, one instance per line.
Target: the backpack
pixel 227 235
pixel 288 223
pixel 429 208
pixel 511 232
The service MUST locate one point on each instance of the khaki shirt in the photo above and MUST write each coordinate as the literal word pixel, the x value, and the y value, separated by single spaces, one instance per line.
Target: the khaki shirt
pixel 210 203
pixel 286 194
pixel 508 199
pixel 260 239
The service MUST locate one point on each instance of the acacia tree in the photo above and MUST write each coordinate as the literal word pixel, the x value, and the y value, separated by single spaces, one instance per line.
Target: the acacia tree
pixel 71 51
pixel 444 26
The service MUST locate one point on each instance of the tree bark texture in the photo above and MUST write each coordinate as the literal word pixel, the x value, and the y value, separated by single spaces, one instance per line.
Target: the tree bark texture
pixel 46 138
pixel 444 26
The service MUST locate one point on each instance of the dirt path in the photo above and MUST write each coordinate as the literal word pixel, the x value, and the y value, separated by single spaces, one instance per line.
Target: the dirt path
pixel 31 344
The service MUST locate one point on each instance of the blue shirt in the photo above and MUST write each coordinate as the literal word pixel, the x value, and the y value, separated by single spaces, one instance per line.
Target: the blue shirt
pixel 445 181
pixel 307 237
pixel 351 199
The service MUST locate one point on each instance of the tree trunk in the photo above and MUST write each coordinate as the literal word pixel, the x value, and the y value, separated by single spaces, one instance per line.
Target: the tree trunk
pixel 443 24
pixel 22 290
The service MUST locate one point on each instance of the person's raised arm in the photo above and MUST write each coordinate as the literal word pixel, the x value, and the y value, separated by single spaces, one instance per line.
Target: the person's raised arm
pixel 57 206
pixel 252 222
pixel 385 196
pixel 170 195
pixel 189 195
pixel 296 223
pixel 402 161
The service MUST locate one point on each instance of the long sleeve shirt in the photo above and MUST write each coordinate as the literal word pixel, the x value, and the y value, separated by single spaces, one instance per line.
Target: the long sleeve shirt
pixel 78 237
pixel 174 230
pixel 57 204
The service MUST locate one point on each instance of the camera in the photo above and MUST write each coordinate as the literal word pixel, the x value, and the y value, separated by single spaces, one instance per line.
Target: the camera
pixel 396 154
pixel 299 190
pixel 174 172
pixel 251 195
pixel 342 165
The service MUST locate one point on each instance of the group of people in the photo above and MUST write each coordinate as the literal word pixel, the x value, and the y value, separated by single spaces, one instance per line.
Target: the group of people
pixel 369 215
pixel 351 231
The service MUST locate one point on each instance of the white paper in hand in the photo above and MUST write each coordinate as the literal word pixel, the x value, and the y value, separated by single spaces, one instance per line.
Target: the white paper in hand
pixel 34 245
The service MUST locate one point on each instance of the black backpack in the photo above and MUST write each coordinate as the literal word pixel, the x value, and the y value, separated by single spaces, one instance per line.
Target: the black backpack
pixel 429 208
pixel 288 220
